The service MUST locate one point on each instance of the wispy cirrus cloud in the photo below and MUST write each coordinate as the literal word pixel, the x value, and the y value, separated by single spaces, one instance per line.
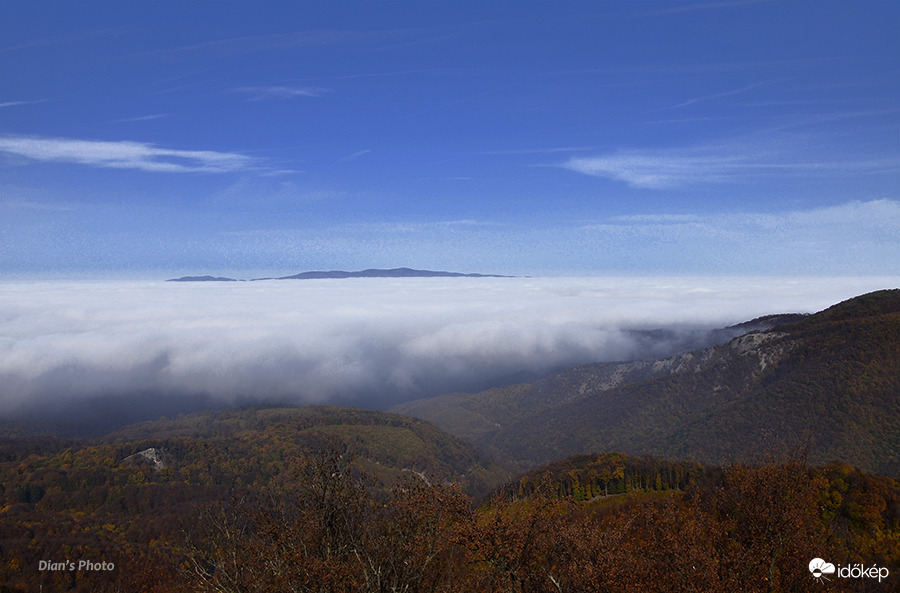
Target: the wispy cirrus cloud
pixel 657 218
pixel 123 154
pixel 18 103
pixel 705 6
pixel 847 238
pixel 862 218
pixel 719 95
pixel 355 155
pixel 660 169
pixel 40 206
pixel 139 118
pixel 516 151
pixel 233 46
pixel 721 163
pixel 261 93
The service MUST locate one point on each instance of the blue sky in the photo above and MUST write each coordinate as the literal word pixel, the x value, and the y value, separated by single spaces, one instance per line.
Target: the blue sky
pixel 543 138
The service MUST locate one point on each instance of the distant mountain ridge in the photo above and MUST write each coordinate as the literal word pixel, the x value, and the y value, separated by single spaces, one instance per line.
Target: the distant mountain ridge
pixel 382 273
pixel 368 273
pixel 202 279
pixel 828 381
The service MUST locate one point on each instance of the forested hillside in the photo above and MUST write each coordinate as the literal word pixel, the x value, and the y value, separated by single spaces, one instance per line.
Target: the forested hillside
pixel 605 522
pixel 829 382
pixel 129 498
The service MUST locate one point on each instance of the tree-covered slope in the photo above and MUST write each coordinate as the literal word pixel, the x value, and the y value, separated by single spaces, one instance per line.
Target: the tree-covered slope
pixel 129 499
pixel 829 381
pixel 381 443
pixel 237 502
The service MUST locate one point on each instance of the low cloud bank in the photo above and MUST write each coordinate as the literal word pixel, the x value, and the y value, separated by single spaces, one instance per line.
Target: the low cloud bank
pixel 371 342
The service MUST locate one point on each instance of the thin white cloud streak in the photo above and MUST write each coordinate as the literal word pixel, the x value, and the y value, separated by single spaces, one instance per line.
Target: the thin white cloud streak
pixel 8 104
pixel 381 339
pixel 33 205
pixel 706 6
pixel 355 155
pixel 722 163
pixel 656 169
pixel 694 100
pixel 139 118
pixel 74 38
pixel 851 238
pixel 232 46
pixel 538 150
pixel 869 218
pixel 123 155
pixel 262 93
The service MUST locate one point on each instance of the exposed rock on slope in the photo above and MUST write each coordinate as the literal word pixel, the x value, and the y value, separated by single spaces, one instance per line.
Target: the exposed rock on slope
pixel 155 458
pixel 829 382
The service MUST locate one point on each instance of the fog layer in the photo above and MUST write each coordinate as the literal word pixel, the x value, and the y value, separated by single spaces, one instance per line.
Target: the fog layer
pixel 372 342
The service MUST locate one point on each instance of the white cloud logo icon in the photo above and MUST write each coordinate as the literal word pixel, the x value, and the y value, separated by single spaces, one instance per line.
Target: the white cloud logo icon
pixel 819 568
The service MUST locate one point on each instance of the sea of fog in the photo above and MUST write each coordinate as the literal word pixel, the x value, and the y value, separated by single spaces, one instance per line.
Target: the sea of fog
pixel 367 341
